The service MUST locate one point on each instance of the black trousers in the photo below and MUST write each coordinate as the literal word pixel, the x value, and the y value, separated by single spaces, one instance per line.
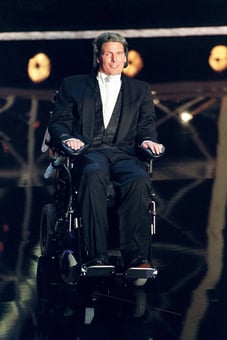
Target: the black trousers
pixel 132 185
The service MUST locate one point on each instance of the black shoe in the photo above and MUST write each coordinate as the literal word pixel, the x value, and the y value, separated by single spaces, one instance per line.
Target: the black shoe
pixel 140 262
pixel 99 260
pixel 140 269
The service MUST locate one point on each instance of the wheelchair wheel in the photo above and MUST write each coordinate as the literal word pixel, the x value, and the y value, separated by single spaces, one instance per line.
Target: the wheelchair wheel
pixel 70 267
pixel 47 277
pixel 47 223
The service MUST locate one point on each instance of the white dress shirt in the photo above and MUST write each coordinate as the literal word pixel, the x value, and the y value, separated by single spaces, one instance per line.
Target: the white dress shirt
pixel 109 89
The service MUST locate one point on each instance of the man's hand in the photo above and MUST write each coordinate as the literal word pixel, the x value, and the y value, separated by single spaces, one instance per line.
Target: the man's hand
pixel 74 143
pixel 154 147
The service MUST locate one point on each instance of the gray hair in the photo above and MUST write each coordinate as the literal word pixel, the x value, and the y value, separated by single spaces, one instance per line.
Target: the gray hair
pixel 104 38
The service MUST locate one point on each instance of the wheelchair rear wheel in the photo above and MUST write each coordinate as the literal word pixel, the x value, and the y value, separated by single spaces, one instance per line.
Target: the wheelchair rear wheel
pixel 47 224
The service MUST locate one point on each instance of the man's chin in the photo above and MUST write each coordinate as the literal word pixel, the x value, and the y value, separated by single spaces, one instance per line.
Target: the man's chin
pixel 115 72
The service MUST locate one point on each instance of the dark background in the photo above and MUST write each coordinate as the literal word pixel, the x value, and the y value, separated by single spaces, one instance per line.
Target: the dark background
pixel 88 15
pixel 165 59
pixel 177 68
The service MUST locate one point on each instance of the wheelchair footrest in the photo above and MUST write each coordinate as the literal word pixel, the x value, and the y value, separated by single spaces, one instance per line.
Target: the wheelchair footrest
pixel 102 270
pixel 141 273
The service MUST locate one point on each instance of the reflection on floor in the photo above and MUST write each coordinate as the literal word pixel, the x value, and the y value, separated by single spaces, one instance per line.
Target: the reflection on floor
pixel 169 307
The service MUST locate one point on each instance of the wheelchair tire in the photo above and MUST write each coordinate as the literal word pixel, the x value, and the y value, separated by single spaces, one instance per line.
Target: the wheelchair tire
pixel 47 223
pixel 47 277
pixel 70 268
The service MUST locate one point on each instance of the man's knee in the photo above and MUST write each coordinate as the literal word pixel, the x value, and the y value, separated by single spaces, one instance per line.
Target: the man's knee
pixel 141 182
pixel 94 181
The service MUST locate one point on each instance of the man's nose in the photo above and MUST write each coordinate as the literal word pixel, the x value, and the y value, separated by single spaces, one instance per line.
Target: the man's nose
pixel 114 57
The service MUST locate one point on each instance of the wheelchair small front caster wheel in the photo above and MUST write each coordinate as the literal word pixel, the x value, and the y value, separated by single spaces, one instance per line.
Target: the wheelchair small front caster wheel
pixel 70 268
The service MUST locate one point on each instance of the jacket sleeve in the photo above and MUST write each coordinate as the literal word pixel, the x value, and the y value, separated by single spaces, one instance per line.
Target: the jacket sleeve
pixel 147 118
pixel 65 116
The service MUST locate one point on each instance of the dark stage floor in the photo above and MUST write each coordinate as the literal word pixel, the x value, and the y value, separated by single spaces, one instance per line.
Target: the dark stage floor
pixel 178 304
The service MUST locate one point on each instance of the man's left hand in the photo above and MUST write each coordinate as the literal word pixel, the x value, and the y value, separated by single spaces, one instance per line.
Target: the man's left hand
pixel 154 147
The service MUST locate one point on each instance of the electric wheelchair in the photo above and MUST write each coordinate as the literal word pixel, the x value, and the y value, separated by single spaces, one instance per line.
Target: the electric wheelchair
pixel 67 289
pixel 61 227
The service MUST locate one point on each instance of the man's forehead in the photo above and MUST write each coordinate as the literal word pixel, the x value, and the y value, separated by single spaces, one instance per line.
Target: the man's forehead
pixel 112 45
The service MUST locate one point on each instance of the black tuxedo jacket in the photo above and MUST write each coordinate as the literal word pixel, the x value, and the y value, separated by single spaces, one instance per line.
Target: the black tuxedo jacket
pixel 74 112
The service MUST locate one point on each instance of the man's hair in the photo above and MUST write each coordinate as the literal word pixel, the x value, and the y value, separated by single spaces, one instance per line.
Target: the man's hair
pixel 104 38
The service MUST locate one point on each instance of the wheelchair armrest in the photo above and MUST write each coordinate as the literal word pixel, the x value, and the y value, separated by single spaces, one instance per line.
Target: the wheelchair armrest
pixel 71 152
pixel 147 154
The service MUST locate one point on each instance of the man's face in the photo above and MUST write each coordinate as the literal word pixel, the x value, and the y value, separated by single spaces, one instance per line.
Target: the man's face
pixel 112 59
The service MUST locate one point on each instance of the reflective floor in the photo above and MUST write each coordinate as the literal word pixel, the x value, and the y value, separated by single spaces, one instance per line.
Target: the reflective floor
pixel 178 304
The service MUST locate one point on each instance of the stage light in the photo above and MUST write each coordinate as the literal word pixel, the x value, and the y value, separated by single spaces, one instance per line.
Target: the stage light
pixel 39 67
pixel 218 58
pixel 156 101
pixel 186 117
pixel 135 64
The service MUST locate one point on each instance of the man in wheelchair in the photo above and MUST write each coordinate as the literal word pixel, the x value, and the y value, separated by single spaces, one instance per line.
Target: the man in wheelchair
pixel 113 116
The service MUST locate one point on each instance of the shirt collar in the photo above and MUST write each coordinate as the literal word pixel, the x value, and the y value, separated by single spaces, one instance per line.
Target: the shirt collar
pixel 113 78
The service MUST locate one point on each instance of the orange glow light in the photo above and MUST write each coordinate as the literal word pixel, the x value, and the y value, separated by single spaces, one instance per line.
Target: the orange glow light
pixel 218 58
pixel 135 64
pixel 39 67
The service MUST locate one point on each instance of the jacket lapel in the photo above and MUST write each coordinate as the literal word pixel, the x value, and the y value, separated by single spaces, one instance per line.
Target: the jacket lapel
pixel 88 113
pixel 126 116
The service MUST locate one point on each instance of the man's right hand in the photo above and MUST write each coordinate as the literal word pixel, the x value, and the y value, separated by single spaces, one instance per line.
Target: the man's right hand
pixel 74 143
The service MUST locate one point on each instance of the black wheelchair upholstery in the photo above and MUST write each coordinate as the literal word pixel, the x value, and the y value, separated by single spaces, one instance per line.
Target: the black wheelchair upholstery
pixel 61 227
